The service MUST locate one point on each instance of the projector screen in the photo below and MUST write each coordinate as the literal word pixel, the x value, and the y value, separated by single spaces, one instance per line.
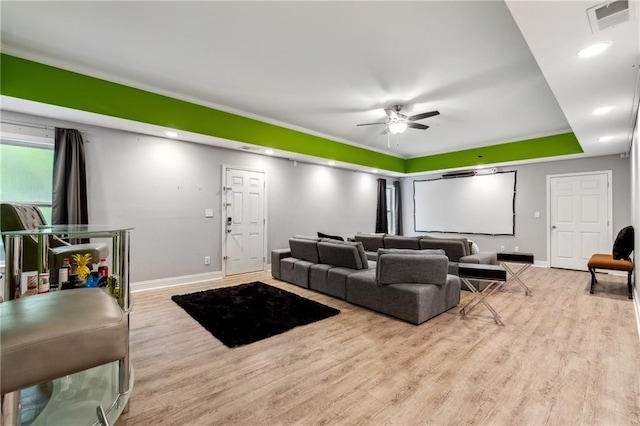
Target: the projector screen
pixel 481 204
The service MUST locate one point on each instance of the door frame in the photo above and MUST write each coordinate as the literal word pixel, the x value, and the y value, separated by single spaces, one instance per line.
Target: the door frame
pixel 223 216
pixel 609 174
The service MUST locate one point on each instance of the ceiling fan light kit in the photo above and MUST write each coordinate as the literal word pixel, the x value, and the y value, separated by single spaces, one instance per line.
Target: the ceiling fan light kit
pixel 397 127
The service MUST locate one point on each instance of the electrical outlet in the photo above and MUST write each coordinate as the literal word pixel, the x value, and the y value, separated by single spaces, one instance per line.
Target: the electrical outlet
pixel 207 260
pixel 516 248
pixel 501 248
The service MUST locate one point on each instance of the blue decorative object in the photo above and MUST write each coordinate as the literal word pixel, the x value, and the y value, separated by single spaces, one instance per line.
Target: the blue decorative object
pixel 93 280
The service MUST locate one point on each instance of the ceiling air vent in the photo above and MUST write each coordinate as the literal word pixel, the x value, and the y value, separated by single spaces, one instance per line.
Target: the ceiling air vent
pixel 607 15
pixel 249 148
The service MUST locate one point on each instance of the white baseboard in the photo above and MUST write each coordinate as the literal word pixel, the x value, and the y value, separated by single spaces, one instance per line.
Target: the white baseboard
pixel 636 305
pixel 175 281
pixel 541 263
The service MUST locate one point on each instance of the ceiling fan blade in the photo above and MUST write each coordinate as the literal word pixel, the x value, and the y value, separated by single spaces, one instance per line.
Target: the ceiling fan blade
pixel 423 115
pixel 417 126
pixel 371 124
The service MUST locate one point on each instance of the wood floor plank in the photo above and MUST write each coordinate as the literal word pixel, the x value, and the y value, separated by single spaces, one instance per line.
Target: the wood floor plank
pixel 563 357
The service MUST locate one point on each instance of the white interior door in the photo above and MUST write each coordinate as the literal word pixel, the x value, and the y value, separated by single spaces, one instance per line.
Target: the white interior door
pixel 244 221
pixel 580 209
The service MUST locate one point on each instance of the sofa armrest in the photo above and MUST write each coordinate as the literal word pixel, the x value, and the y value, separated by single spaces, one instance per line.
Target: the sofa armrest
pixel 484 258
pixel 276 257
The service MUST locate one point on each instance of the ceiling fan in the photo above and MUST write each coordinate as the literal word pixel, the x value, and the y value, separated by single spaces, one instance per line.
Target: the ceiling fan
pixel 398 123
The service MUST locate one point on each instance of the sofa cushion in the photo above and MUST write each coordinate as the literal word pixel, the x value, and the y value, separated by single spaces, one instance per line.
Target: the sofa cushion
pixel 371 242
pixel 483 258
pixel 455 248
pixel 342 253
pixel 359 247
pixel 412 269
pixel 411 251
pixel 295 271
pixel 304 249
pixel 396 241
pixel 415 303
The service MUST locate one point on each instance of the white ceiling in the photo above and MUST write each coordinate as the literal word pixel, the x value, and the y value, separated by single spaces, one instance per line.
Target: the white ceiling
pixel 496 72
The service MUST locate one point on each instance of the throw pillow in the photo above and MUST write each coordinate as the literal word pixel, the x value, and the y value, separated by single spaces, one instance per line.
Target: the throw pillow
pixel 623 246
pixel 473 248
pixel 331 237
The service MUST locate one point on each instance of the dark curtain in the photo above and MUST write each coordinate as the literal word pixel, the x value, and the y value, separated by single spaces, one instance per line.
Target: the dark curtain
pixel 381 212
pixel 69 203
pixel 398 207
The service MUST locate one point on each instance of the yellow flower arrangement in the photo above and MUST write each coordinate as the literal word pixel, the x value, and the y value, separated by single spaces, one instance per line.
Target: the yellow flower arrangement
pixel 82 260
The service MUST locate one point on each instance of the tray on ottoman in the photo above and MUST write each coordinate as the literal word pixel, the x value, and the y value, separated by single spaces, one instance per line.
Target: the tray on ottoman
pixel 515 256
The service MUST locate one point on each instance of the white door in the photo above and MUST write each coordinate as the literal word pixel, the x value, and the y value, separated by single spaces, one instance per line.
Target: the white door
pixel 580 206
pixel 244 221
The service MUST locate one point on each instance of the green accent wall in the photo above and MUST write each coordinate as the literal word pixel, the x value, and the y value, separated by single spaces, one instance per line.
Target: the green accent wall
pixel 24 79
pixel 548 146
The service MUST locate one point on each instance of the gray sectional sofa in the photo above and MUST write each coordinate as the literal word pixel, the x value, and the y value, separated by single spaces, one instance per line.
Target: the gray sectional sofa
pixel 456 249
pixel 412 285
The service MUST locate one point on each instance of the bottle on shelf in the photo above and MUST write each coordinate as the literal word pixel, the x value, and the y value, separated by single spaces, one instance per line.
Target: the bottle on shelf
pixel 103 269
pixel 64 273
pixel 43 284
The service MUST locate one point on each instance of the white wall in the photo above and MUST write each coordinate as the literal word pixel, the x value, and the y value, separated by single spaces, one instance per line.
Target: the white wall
pixel 163 186
pixel 531 233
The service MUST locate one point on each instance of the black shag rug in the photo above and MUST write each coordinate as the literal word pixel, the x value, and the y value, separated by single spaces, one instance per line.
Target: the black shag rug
pixel 247 313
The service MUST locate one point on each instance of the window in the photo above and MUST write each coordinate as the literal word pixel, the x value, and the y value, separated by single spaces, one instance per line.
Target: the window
pixel 391 209
pixel 26 175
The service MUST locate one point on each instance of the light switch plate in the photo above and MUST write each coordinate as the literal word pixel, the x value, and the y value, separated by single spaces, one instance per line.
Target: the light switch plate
pixel 536 215
pixel 208 213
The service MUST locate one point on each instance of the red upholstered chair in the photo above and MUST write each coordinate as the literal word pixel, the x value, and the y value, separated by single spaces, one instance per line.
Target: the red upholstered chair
pixel 619 260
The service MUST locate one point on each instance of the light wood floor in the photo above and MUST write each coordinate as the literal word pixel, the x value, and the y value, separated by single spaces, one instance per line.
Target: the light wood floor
pixel 564 357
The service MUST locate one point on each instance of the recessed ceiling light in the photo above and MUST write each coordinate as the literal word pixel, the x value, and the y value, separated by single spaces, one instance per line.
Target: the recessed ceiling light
pixel 606 139
pixel 331 163
pixel 171 134
pixel 269 152
pixel 374 171
pixel 594 49
pixel 602 110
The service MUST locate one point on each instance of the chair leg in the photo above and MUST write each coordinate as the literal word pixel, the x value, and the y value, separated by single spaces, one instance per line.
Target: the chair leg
pixel 10 409
pixel 593 279
pixel 629 287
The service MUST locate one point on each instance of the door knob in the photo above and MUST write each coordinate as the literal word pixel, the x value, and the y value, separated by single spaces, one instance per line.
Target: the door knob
pixel 553 227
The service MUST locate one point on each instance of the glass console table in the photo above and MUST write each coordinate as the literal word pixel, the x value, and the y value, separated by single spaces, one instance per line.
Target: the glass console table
pixel 76 397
